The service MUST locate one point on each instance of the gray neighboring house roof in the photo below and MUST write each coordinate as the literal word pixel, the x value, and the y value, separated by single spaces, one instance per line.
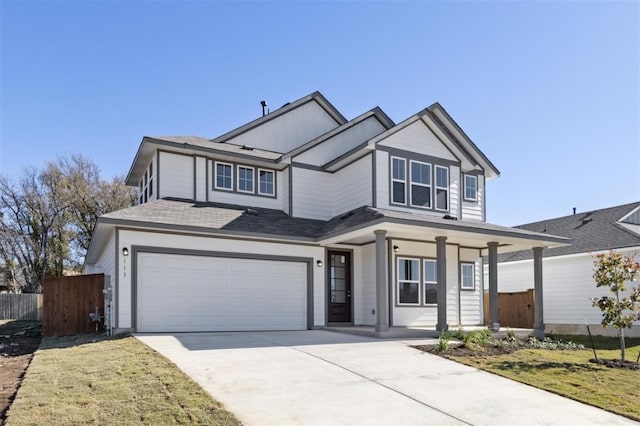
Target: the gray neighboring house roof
pixel 590 231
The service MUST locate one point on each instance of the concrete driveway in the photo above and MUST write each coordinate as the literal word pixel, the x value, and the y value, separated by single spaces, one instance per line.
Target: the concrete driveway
pixel 328 378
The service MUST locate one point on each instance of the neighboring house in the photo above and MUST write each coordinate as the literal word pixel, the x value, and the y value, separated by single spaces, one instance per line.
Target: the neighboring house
pixel 301 219
pixel 568 271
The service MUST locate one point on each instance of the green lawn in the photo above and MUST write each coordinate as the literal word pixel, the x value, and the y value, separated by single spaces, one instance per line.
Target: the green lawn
pixel 109 381
pixel 569 373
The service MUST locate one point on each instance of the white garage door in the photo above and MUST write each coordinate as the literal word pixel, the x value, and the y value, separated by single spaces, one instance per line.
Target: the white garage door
pixel 199 293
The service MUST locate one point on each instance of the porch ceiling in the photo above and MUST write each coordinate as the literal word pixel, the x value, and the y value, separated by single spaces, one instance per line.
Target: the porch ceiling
pixel 464 233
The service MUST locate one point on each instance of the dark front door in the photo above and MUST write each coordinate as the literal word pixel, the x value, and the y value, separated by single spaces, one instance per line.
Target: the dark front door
pixel 339 275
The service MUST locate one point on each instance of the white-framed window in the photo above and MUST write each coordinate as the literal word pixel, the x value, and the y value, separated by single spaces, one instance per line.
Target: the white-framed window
pixel 245 179
pixel 408 272
pixel 442 188
pixel 467 276
pixel 150 184
pixel 145 186
pixel 266 182
pixel 398 180
pixel 223 176
pixel 420 177
pixel 430 279
pixel 470 188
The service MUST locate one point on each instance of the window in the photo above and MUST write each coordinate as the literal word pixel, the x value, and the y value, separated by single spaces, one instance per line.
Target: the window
pixel 245 179
pixel 467 274
pixel 408 281
pixel 223 178
pixel 470 188
pixel 265 182
pixel 442 188
pixel 398 180
pixel 420 184
pixel 150 185
pixel 430 281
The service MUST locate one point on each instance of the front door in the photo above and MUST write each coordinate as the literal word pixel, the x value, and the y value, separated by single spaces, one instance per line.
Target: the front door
pixel 339 276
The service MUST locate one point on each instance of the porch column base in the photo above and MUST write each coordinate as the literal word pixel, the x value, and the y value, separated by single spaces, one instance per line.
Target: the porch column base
pixel 381 328
pixel 539 332
pixel 442 327
pixel 495 327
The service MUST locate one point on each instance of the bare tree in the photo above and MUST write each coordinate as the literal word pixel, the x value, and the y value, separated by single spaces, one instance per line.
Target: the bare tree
pixel 47 217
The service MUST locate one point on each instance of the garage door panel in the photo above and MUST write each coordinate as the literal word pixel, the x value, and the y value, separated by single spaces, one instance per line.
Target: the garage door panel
pixel 198 293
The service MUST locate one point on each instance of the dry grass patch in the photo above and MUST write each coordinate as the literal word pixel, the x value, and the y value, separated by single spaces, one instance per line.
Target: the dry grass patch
pixel 570 373
pixel 84 380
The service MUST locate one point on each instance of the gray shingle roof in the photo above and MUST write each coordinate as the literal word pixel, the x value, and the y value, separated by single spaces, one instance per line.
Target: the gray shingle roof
pixel 187 215
pixel 184 215
pixel 590 231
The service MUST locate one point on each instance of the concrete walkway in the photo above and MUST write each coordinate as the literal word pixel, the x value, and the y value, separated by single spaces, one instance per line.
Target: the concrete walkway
pixel 328 378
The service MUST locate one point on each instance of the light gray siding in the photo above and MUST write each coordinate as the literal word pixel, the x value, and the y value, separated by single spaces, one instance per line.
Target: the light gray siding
pixel 473 210
pixel 312 194
pixel 176 176
pixel 290 130
pixel 568 286
pixel 364 289
pixel 417 137
pixel 341 143
pixel 471 301
pixel 201 179
pixel 353 186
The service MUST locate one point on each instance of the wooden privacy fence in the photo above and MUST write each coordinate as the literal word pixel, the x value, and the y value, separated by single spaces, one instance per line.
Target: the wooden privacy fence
pixel 516 309
pixel 25 306
pixel 68 301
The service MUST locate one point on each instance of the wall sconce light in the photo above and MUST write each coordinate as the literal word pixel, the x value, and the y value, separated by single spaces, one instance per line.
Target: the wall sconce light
pixel 319 263
pixel 125 251
pixel 396 249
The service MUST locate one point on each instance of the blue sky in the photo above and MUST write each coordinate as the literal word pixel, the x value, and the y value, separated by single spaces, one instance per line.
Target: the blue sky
pixel 548 90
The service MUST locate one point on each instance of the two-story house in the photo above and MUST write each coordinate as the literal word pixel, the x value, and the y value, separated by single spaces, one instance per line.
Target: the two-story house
pixel 302 219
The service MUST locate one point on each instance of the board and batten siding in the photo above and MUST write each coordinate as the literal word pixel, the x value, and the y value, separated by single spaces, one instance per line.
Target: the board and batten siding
pixel 352 186
pixel 473 210
pixel 312 194
pixel 364 285
pixel 176 176
pixel 289 131
pixel 130 239
pixel 341 143
pixel 568 286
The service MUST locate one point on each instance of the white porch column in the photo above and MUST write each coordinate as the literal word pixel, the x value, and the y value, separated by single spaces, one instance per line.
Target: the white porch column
pixel 441 261
pixel 494 310
pixel 538 323
pixel 382 289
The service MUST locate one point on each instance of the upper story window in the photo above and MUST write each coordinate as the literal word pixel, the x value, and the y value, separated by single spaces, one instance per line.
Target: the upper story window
pixel 224 176
pixel 442 188
pixel 420 184
pixel 428 185
pixel 398 180
pixel 470 188
pixel 145 186
pixel 245 179
pixel 266 180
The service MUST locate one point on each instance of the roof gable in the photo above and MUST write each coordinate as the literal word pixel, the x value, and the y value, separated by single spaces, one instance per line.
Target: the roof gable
pixel 288 127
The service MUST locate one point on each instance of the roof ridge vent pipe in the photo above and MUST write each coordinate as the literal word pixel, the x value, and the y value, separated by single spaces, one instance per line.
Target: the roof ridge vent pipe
pixel 265 110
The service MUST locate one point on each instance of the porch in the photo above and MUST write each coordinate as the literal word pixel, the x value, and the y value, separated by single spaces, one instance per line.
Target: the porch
pixel 417 265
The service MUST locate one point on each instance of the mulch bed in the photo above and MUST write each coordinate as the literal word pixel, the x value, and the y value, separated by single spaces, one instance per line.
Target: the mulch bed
pixel 18 342
pixel 616 363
